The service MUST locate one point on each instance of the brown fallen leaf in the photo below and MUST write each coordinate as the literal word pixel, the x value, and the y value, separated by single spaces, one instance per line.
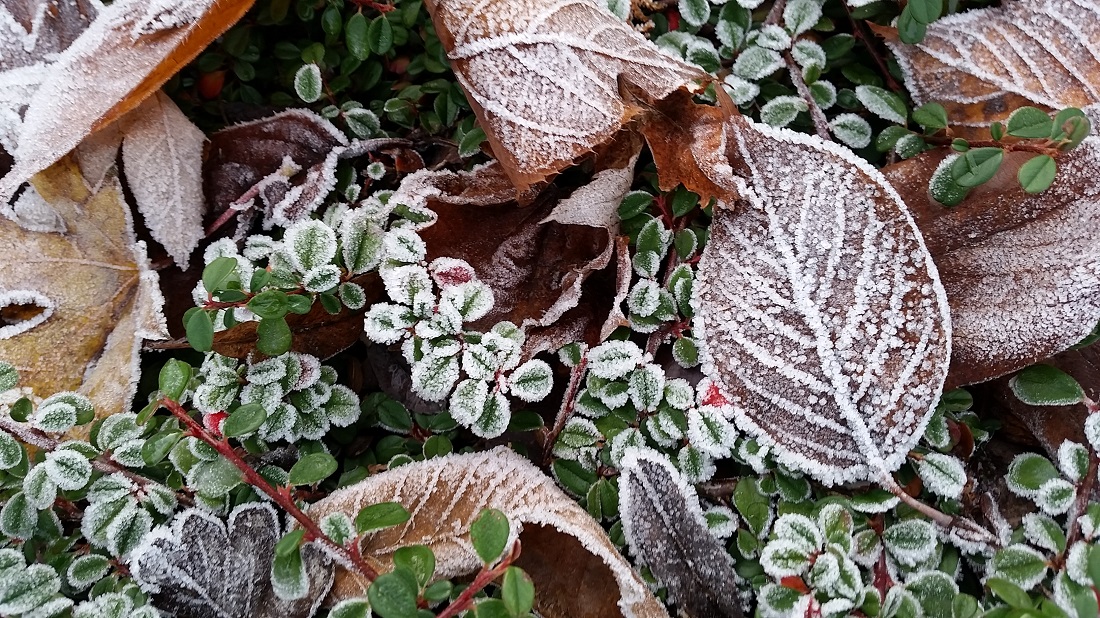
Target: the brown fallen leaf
pixel 87 296
pixel 288 160
pixel 576 569
pixel 819 310
pixel 162 154
pixel 983 64
pixel 1022 272
pixel 544 80
pixel 124 56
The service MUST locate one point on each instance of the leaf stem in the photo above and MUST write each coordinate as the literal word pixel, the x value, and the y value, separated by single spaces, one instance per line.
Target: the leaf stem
pixel 821 123
pixel 483 578
pixel 279 495
pixel 971 530
pixel 1047 147
pixel 567 404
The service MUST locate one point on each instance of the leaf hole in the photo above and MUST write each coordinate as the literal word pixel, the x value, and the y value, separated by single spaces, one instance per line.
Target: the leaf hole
pixel 22 310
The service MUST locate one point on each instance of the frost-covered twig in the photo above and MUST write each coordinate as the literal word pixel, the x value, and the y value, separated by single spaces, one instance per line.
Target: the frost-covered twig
pixel 775 13
pixel 821 123
pixel 280 496
pixel 973 531
pixel 1084 489
pixel 483 578
pixel 576 378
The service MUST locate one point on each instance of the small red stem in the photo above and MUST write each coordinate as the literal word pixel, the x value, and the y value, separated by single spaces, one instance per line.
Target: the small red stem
pixel 281 496
pixel 484 577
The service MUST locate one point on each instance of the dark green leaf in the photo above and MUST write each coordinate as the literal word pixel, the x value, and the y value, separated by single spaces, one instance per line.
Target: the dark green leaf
pixel 218 273
pixel 1029 122
pixel 419 560
pixel 393 594
pixel 312 468
pixel 489 535
pixel 1037 174
pixel 381 515
pixel 380 35
pixel 244 420
pixel 269 304
pixel 925 11
pixel 976 166
pixel 273 336
pixel 158 446
pixel 1046 385
pixel 1071 125
pixel 200 330
pixel 175 375
pixel 931 116
pixel 1009 592
pixel 517 591
pixel 910 30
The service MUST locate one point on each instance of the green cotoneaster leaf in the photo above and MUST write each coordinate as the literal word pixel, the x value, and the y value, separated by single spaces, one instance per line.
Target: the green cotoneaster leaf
pixel 489 535
pixel 1046 385
pixel 1037 174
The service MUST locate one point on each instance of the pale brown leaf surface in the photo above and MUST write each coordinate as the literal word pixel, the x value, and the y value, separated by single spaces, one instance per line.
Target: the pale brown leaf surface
pixel 543 78
pixel 983 64
pixel 98 300
pixel 1022 272
pixel 162 154
pixel 819 309
pixel 576 569
pixel 668 532
pixel 124 56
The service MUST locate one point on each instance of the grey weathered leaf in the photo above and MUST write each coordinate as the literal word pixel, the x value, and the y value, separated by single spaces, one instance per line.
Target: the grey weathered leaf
pixel 543 79
pixel 820 312
pixel 576 569
pixel 666 531
pixel 162 154
pixel 983 64
pixel 1022 271
pixel 202 567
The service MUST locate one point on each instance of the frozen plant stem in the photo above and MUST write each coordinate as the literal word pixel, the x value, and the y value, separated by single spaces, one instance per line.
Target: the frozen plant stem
pixel 1084 490
pixel 280 496
pixel 484 577
pixel 821 123
pixel 972 530
pixel 567 404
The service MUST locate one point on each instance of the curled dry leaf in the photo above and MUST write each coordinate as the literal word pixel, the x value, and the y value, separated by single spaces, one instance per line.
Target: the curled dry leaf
pixel 288 160
pixel 544 79
pixel 162 154
pixel 124 56
pixel 666 530
pixel 820 311
pixel 199 566
pixel 983 64
pixel 1007 311
pixel 78 304
pixel 576 570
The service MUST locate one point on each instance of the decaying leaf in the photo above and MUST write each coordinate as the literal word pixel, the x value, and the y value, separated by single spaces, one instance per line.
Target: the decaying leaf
pixel 543 79
pixel 576 570
pixel 162 154
pixel 289 157
pixel 983 64
pixel 77 304
pixel 667 531
pixel 124 56
pixel 202 567
pixel 820 311
pixel 1022 272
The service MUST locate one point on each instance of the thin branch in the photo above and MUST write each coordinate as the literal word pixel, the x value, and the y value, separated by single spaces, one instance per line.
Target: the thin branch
pixel 484 577
pixel 971 529
pixel 280 496
pixel 775 13
pixel 567 404
pixel 821 123
pixel 1084 490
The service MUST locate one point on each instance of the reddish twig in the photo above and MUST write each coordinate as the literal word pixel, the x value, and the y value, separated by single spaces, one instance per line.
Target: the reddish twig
pixel 567 404
pixel 1084 490
pixel 280 496
pixel 483 578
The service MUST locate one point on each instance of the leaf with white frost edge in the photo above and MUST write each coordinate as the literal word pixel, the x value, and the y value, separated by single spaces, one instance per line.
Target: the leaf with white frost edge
pixel 99 297
pixel 445 495
pixel 162 155
pixel 203 567
pixel 820 313
pixel 666 530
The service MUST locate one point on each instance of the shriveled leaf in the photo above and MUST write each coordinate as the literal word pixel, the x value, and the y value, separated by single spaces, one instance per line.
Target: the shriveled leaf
pixel 124 56
pixel 79 304
pixel 983 64
pixel 819 310
pixel 162 154
pixel 202 567
pixel 667 531
pixel 288 158
pixel 1007 314
pixel 544 81
pixel 446 494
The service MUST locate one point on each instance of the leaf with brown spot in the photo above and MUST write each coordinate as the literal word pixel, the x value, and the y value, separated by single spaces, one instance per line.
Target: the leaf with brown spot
pixel 1022 272
pixel 818 308
pixel 577 571
pixel 124 56
pixel 544 80
pixel 97 296
pixel 983 64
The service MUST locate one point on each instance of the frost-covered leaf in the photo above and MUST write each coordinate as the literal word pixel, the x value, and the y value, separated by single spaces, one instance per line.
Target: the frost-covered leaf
pixel 911 541
pixel 88 295
pixel 1020 565
pixel 162 154
pixel 943 475
pixel 445 495
pixel 1005 313
pixel 28 589
pixel 202 567
pixel 983 64
pixel 544 81
pixel 531 381
pixel 118 62
pixel 824 323
pixel 614 359
pixel 667 531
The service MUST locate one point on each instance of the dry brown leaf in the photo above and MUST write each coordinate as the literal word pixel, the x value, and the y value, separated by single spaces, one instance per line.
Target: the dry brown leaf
pixel 544 79
pixel 1022 272
pixel 819 309
pixel 983 64
pixel 88 298
pixel 124 56
pixel 576 570
pixel 162 154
